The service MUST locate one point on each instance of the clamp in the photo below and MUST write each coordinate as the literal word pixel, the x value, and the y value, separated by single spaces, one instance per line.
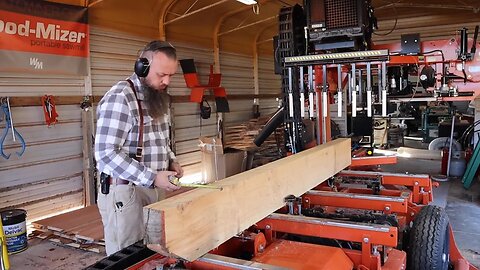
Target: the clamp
pixel 5 106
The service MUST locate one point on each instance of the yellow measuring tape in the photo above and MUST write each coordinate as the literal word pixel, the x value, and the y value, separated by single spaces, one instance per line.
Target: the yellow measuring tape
pixel 176 181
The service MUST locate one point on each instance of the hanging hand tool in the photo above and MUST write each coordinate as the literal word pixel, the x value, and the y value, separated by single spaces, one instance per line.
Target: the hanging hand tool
pixel 48 103
pixel 5 105
pixel 176 181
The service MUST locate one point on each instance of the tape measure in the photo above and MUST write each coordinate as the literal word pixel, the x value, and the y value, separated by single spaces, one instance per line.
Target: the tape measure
pixel 176 181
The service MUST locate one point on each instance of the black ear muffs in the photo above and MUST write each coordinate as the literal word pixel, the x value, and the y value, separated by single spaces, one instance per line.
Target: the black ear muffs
pixel 142 66
pixel 205 109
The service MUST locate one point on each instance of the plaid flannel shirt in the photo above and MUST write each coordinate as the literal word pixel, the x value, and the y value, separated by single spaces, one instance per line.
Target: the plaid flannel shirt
pixel 117 136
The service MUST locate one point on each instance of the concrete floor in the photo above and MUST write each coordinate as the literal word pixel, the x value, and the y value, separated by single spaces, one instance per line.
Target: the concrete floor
pixel 462 206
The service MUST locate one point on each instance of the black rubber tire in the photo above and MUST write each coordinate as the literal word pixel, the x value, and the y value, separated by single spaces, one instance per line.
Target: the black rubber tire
pixel 429 241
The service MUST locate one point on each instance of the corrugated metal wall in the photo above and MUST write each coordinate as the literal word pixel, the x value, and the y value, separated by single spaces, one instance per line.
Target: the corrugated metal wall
pixel 48 177
pixel 112 60
pixel 188 126
pixel 268 83
pixel 430 27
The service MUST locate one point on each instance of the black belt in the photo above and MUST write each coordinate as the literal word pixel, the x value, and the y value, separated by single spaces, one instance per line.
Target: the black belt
pixel 116 181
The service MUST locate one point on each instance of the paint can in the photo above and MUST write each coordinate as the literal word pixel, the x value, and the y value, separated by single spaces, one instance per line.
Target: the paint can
pixel 15 230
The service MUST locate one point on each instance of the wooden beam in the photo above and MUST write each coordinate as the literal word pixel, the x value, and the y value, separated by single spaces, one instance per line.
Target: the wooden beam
pixel 186 99
pixel 193 223
pixel 25 101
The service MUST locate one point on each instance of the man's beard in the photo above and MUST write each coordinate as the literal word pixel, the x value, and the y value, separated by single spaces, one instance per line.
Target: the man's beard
pixel 157 101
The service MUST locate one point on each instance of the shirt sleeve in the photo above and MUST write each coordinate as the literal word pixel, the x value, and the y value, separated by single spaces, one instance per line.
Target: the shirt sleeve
pixel 114 122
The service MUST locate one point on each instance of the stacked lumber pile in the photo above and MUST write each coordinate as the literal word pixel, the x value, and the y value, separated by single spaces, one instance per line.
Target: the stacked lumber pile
pixel 81 229
pixel 241 137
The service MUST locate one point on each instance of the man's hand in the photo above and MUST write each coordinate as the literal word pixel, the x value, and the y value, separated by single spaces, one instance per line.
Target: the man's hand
pixel 161 181
pixel 175 166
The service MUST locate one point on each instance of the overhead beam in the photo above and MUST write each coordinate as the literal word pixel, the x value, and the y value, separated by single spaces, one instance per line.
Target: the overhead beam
pixel 256 75
pixel 429 6
pixel 191 224
pixel 248 25
pixel 216 30
pixel 196 11
pixel 163 16
pixel 94 3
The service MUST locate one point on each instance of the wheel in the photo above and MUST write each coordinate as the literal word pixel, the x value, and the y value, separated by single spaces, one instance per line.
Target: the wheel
pixel 429 240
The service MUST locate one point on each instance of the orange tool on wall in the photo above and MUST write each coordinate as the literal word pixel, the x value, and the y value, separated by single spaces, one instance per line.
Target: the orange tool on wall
pixel 49 109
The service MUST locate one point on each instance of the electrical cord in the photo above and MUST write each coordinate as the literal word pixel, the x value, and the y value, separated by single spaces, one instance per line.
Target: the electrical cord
pixel 394 26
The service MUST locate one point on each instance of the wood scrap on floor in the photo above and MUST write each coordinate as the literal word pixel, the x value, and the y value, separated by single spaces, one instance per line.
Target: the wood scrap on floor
pixel 80 228
pixel 61 240
pixel 195 222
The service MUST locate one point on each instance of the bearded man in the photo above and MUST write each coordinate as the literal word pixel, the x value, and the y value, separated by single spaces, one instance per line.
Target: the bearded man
pixel 132 146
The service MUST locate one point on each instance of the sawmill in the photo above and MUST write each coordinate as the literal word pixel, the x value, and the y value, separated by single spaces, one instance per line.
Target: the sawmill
pixel 240 134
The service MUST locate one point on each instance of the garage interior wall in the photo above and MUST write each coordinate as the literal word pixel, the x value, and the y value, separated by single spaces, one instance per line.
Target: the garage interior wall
pixel 113 54
pixel 48 176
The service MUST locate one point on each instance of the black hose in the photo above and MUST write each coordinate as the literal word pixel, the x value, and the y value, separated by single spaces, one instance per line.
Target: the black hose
pixel 272 124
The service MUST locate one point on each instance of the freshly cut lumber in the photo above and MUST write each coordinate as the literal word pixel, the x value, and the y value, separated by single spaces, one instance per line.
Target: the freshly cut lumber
pixel 192 223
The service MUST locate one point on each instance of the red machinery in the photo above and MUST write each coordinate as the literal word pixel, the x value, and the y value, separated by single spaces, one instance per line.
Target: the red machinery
pixel 358 220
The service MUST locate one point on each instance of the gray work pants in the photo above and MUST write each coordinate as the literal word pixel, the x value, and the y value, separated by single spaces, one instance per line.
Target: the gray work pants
pixel 122 214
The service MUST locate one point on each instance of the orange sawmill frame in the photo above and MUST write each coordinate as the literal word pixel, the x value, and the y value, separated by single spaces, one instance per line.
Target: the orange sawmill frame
pixel 264 240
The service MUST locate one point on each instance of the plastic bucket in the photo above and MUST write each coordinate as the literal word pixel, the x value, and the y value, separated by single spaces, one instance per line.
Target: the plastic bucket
pixel 15 229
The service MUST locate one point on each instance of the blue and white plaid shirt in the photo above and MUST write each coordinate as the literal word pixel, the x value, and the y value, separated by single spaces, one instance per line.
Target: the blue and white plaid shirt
pixel 117 136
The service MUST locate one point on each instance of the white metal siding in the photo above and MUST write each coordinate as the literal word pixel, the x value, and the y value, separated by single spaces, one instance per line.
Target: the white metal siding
pixel 237 78
pixel 269 83
pixel 112 58
pixel 186 116
pixel 48 177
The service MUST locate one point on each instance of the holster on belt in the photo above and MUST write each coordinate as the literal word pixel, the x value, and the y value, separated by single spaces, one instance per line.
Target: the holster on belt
pixel 104 183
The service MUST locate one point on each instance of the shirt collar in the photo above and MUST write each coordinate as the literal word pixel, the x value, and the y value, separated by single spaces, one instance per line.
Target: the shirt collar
pixel 138 86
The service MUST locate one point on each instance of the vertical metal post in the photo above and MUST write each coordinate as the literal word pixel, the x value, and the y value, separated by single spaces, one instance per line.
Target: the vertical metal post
pixel 311 93
pixel 302 94
pixel 384 89
pixel 369 89
pixel 324 92
pixel 354 101
pixel 317 105
pixel 339 91
pixel 354 91
pixel 360 88
pixel 290 93
pixel 380 87
pixel 350 88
